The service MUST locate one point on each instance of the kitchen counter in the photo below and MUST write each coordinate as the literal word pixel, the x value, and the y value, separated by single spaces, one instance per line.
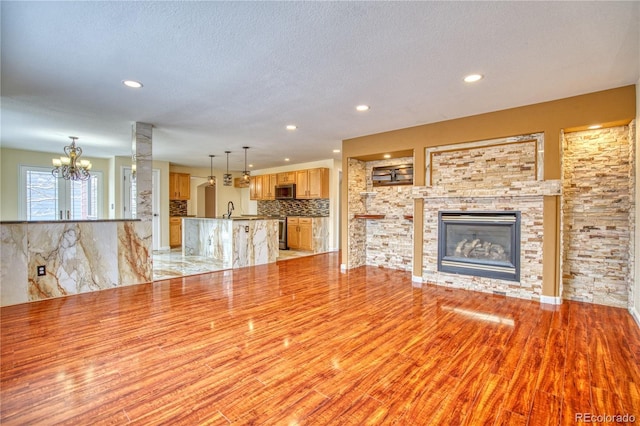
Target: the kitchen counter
pixel 236 242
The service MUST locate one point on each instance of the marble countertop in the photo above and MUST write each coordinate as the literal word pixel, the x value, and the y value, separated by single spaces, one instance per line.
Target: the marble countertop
pixel 233 218
pixel 35 222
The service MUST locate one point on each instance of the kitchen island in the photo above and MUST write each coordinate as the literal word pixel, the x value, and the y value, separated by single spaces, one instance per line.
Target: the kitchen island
pixel 235 242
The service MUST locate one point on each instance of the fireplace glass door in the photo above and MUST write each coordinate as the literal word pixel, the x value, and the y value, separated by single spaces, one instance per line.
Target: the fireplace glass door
pixel 485 244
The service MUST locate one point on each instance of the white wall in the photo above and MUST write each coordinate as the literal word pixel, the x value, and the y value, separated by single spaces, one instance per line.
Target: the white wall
pixel 335 168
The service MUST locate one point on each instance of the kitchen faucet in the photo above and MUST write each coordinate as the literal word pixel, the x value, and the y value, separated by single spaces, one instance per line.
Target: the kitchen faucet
pixel 230 208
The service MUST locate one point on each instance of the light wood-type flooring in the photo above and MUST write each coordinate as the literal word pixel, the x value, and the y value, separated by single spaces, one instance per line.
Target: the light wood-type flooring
pixel 300 343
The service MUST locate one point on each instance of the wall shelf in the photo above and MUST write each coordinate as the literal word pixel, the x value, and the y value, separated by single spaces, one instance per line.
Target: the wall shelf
pixel 368 194
pixel 369 216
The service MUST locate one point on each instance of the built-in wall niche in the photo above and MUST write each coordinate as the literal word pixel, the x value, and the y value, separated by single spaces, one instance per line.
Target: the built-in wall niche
pixel 392 175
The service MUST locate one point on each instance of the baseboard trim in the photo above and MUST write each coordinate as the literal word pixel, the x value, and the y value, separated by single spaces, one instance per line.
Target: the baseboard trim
pixel 635 315
pixel 343 267
pixel 417 279
pixel 550 300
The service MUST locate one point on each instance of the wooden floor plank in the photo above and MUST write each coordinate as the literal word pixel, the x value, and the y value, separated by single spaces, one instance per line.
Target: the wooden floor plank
pixel 299 342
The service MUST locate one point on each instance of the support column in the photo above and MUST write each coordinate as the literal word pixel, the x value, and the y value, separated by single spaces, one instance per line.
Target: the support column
pixel 136 237
pixel 141 148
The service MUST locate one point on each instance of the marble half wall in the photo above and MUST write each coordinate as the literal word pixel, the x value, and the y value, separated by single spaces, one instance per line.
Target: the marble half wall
pixel 236 243
pixel 77 257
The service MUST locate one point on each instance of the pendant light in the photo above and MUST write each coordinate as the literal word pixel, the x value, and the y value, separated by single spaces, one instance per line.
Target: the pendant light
pixel 227 180
pixel 211 178
pixel 245 172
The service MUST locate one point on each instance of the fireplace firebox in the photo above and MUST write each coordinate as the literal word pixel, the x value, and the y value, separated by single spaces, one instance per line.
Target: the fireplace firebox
pixel 484 244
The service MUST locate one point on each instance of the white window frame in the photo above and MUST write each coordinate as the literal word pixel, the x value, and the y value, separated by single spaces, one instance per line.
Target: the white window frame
pixel 22 191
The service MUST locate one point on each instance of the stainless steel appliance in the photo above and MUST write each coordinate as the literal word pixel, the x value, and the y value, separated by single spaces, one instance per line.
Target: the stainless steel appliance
pixel 286 192
pixel 282 233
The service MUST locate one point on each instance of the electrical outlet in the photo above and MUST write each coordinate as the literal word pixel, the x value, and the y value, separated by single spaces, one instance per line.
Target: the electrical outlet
pixel 42 270
pixel 246 229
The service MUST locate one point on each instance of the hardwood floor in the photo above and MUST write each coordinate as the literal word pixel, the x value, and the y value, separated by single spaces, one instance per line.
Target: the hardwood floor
pixel 298 342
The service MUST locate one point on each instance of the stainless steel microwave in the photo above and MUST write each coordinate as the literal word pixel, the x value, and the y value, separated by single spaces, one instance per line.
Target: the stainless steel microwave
pixel 286 192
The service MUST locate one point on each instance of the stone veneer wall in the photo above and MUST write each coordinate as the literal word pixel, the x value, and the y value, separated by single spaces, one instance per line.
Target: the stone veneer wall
pixel 384 242
pixel 389 241
pixel 357 182
pixel 597 208
pixel 319 207
pixel 494 175
pixel 489 167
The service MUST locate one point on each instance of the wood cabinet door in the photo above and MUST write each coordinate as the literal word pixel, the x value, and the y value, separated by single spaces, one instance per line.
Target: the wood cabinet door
pixel 306 234
pixel 318 183
pixel 184 186
pixel 253 184
pixel 284 178
pixel 179 186
pixel 175 232
pixel 302 184
pixel 293 234
pixel 269 187
pixel 173 186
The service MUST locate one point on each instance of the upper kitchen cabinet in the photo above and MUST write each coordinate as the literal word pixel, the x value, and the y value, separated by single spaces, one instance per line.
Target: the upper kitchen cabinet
pixel 269 187
pixel 285 178
pixel 312 183
pixel 179 186
pixel 262 187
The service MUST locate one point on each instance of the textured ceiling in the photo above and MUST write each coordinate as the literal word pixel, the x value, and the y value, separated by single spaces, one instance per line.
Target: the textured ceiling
pixel 221 75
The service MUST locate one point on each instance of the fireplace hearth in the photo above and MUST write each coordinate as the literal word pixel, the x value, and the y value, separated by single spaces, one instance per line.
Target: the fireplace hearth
pixel 484 244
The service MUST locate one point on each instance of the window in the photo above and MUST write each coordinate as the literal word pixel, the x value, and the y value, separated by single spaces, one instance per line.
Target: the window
pixel 45 197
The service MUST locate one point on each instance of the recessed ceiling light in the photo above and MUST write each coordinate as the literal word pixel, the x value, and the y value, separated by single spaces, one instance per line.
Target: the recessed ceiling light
pixel 291 127
pixel 595 126
pixel 286 159
pixel 132 83
pixel 387 156
pixel 336 151
pixel 362 108
pixel 472 78
pixel 250 165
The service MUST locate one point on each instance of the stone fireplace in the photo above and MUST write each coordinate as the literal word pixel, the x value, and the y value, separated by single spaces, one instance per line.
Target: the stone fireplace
pixel 483 244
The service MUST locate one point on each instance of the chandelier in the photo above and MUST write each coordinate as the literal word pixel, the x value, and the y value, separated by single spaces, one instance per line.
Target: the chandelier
pixel 70 167
pixel 227 178
pixel 211 179
pixel 245 172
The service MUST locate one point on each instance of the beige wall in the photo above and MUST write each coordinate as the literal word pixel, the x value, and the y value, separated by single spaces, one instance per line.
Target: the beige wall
pixel 11 160
pixel 609 107
pixel 335 169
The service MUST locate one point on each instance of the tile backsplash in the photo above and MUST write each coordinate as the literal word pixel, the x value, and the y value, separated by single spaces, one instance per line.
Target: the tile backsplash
pixel 177 208
pixel 318 207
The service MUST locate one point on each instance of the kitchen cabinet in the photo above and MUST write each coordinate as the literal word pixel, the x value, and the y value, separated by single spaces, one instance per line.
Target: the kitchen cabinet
pixel 179 186
pixel 175 231
pixel 300 233
pixel 269 186
pixel 262 187
pixel 255 188
pixel 312 183
pixel 285 178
